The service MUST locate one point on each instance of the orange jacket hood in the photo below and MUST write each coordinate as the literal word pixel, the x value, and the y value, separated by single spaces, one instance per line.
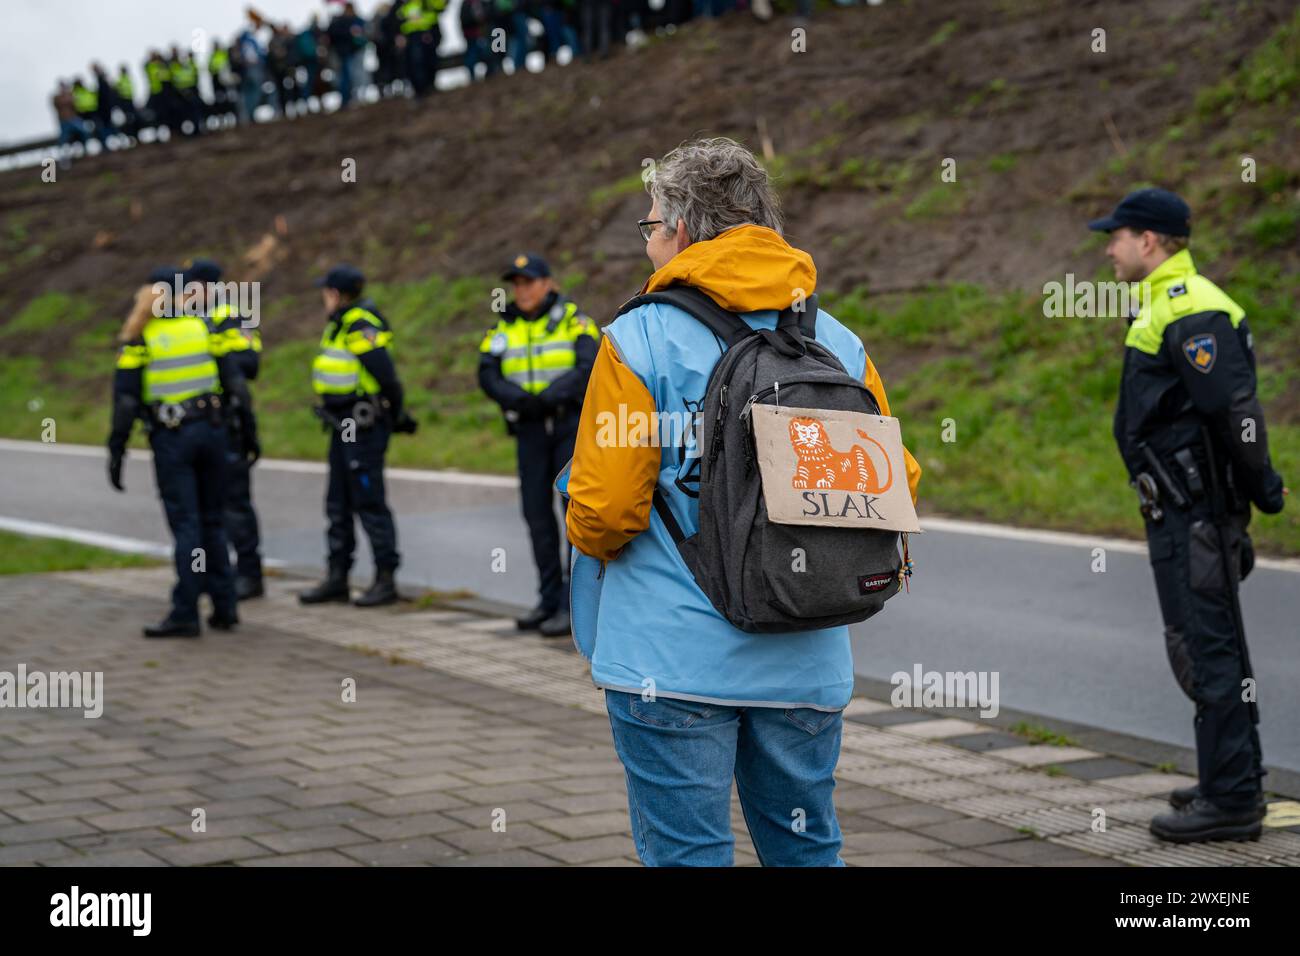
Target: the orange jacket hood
pixel 745 269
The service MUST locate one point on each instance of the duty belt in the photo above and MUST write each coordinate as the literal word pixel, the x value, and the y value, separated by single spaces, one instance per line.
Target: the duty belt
pixel 175 414
pixel 365 412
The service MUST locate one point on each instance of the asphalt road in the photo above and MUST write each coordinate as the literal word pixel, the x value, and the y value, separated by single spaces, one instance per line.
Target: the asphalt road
pixel 1066 641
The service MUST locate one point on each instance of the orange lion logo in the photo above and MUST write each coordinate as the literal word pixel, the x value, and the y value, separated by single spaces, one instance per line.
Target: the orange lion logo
pixel 821 466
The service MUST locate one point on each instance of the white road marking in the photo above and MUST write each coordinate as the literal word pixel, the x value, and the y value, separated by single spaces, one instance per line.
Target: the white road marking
pixel 980 529
pixel 276 464
pixel 113 542
pixel 110 542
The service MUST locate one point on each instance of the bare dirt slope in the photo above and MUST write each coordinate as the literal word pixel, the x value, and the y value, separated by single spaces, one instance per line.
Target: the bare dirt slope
pixel 857 125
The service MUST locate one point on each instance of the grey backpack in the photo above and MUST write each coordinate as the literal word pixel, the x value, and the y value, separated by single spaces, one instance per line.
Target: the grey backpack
pixel 763 576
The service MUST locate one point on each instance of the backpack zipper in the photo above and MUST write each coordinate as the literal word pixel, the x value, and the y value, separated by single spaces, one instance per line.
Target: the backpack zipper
pixel 715 445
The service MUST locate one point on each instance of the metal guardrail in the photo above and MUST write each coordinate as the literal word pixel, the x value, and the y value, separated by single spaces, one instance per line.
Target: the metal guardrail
pixel 454 61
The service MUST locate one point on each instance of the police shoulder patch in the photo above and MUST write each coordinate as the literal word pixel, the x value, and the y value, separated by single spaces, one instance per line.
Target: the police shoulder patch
pixel 1201 351
pixel 499 343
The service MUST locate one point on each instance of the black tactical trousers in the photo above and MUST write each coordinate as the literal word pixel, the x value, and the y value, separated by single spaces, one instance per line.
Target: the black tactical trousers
pixel 189 465
pixel 356 490
pixel 1197 588
pixel 240 518
pixel 542 455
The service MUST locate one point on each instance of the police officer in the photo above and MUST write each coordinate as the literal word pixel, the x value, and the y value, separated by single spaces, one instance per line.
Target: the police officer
pixel 535 364
pixel 169 374
pixel 236 336
pixel 1191 433
pixel 422 36
pixel 361 403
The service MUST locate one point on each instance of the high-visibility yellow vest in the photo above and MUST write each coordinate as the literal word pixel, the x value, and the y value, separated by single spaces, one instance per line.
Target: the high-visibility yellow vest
pixel 229 335
pixel 184 75
pixel 84 99
pixel 535 352
pixel 219 60
pixel 176 356
pixel 156 71
pixel 336 370
pixel 419 15
pixel 125 88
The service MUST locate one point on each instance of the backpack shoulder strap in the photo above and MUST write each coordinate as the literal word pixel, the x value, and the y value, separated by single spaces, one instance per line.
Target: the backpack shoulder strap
pixel 667 517
pixel 804 319
pixel 727 326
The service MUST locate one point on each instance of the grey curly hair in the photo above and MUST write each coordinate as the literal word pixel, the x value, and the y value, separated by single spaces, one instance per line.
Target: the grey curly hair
pixel 713 184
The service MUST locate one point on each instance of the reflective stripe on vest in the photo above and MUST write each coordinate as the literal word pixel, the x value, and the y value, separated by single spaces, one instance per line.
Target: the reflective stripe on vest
pixel 532 358
pixel 229 335
pixel 180 363
pixel 336 370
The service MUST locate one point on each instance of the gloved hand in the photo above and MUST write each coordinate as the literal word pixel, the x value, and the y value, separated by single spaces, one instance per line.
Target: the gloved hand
pixel 248 433
pixel 405 423
pixel 1271 497
pixel 115 469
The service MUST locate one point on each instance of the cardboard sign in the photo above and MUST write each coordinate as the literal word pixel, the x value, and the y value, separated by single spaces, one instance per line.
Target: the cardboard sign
pixel 839 469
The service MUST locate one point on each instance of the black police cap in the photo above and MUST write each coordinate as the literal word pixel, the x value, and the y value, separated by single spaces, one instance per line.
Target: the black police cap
pixel 529 265
pixel 203 270
pixel 164 274
pixel 1156 209
pixel 345 278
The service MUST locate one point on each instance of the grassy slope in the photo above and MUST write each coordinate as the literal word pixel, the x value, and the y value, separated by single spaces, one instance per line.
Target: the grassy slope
pixel 1031 397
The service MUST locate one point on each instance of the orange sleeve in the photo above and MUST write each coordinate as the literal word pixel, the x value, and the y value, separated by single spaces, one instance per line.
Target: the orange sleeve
pixel 871 378
pixel 615 463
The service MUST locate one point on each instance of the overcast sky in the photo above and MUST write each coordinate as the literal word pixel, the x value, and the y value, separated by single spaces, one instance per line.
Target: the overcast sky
pixel 45 40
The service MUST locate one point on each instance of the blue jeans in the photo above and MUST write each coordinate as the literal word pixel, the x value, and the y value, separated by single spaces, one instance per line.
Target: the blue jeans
pixel 680 757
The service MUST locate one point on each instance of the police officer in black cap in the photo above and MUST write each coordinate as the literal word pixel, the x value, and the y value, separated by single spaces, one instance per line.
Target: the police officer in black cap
pixel 535 364
pixel 1191 432
pixel 361 404
pixel 169 374
pixel 237 336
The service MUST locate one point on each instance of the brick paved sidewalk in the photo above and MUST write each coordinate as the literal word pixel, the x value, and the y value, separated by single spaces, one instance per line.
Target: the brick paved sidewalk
pixel 456 719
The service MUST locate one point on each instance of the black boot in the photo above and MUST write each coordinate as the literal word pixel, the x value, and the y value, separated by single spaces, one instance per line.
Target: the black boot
pixel 382 591
pixel 333 588
pixel 557 625
pixel 534 618
pixel 224 620
pixel 246 588
pixel 1182 796
pixel 1201 821
pixel 170 627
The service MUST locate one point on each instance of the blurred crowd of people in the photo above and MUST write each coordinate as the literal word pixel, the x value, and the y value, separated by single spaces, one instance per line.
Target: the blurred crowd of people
pixel 291 71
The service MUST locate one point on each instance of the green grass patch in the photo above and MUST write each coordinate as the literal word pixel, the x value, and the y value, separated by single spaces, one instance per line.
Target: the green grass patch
pixel 21 554
pixel 1041 735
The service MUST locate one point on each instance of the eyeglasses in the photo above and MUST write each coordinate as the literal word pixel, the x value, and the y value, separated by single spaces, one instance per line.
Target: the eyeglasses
pixel 647 227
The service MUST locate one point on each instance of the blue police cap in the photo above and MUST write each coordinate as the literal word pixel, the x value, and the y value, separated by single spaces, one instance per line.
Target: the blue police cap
pixel 164 274
pixel 1156 209
pixel 345 278
pixel 529 265
pixel 203 270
